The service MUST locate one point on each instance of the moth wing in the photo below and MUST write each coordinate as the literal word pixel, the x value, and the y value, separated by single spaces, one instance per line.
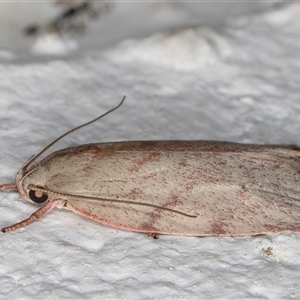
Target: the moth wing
pixel 235 191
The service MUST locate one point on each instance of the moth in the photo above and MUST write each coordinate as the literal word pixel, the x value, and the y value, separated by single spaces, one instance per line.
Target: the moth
pixel 191 188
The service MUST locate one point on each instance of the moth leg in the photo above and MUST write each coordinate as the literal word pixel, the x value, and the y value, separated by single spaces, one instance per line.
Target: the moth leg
pixel 153 235
pixel 35 216
pixel 7 187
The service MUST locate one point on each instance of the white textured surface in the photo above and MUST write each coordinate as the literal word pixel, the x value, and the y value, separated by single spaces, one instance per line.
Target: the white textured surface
pixel 240 83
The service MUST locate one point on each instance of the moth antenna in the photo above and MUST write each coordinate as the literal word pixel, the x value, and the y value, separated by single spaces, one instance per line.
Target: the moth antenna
pixel 32 159
pixel 35 188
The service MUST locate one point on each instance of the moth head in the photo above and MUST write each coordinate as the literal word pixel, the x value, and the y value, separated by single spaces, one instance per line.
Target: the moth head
pixel 30 185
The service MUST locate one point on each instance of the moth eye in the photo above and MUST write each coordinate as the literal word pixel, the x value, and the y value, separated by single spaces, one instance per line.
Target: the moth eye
pixel 38 196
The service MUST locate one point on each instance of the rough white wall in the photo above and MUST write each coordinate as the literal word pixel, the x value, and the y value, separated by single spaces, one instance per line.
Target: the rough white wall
pixel 238 83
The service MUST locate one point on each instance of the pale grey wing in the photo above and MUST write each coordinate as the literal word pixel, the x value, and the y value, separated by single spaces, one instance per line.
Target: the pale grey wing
pixel 230 194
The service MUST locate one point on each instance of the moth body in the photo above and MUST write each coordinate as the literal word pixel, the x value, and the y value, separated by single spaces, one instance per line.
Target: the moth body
pixel 197 188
